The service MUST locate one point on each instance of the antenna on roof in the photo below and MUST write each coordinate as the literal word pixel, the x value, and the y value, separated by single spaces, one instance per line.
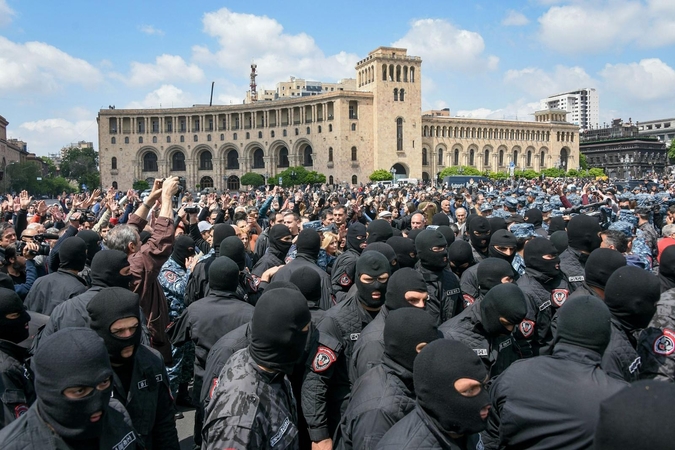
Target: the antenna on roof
pixel 211 99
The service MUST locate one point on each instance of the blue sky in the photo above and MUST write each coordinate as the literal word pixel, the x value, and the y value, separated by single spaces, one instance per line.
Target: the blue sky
pixel 60 62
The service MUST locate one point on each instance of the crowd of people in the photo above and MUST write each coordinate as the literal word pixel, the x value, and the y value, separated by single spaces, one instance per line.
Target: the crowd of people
pixel 512 314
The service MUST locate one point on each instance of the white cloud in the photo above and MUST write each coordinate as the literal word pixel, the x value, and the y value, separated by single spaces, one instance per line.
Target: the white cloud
pixel 149 29
pixel 49 135
pixel 650 79
pixel 166 68
pixel 514 19
pixel 594 27
pixel 537 82
pixel 41 67
pixel 444 46
pixel 521 109
pixel 244 38
pixel 167 96
pixel 6 13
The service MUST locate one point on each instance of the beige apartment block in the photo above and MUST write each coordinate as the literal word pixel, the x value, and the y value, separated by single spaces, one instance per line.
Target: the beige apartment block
pixel 345 134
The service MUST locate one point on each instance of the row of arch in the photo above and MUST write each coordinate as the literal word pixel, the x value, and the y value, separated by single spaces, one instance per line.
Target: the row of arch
pixel 488 133
pixel 472 157
pixel 390 72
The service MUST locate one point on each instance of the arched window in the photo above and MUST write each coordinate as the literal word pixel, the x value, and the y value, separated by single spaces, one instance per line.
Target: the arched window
pixel 563 158
pixel 395 94
pixel 353 127
pixel 113 140
pixel 330 179
pixel 529 159
pixel 232 159
pixel 234 136
pixel 140 139
pixel 486 158
pixel 205 161
pixel 272 132
pixel 154 139
pixel 258 159
pixel 471 157
pixel 456 158
pixel 150 162
pixel 308 130
pixel 233 183
pixel 178 162
pixel 354 179
pixel 114 185
pixel 206 182
pixel 330 155
pixel 168 139
pixel 412 74
pixel 182 138
pixel 307 157
pixel 195 138
pixel 501 157
pixel 283 157
pixel 384 72
pixel 260 134
pixel 542 160
pixel 222 136
pixel 248 134
pixel 399 134
pixel 113 163
pixel 515 157
pixel 440 156
pixel 354 154
pixel 330 128
pixel 425 161
pixel 318 129
pixel 208 137
pixel 297 132
pixel 401 95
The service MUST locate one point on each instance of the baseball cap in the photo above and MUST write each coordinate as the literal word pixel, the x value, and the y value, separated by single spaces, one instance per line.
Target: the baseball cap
pixel 384 214
pixel 204 226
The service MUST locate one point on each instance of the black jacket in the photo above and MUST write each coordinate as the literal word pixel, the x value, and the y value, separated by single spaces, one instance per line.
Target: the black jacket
pixel 549 401
pixel 284 274
pixel 198 281
pixel 621 359
pixel 344 271
pixel 572 267
pixel 16 382
pixel 445 296
pixel 149 400
pixel 369 349
pixel 380 398
pixel 51 290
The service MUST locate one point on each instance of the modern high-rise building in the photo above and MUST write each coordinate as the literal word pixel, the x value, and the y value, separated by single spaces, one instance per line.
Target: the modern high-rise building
pixel 583 106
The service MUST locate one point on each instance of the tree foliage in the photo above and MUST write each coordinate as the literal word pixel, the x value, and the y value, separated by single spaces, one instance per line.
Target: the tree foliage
pixel 459 170
pixel 81 165
pixel 51 167
pixel 252 179
pixel 553 172
pixel 671 150
pixel 573 173
pixel 294 176
pixel 596 172
pixel 498 175
pixel 25 175
pixel 141 185
pixel 583 163
pixel 380 175
pixel 528 174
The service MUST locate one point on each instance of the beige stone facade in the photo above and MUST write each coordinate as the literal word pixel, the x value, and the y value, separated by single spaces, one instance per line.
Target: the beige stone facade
pixel 344 134
pixel 11 150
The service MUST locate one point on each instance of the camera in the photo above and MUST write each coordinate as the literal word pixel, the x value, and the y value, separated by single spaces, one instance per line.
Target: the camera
pixel 40 240
pixel 191 209
pixel 86 216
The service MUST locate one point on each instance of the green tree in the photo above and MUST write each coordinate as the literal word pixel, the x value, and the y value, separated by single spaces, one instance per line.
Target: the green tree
pixel 56 185
pixel 573 173
pixel 459 170
pixel 583 162
pixel 671 150
pixel 596 172
pixel 294 176
pixel 528 174
pixel 141 185
pixel 380 175
pixel 315 177
pixel 81 165
pixel 24 176
pixel 498 175
pixel 553 172
pixel 51 167
pixel 252 179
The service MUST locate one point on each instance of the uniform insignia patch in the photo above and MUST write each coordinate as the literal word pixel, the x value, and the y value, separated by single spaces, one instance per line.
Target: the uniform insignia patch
pixel 345 280
pixel 142 384
pixel 504 344
pixel 126 441
pixel 323 359
pixel 468 300
pixel 214 385
pixel 665 344
pixel 545 305
pixel 279 434
pixel 579 278
pixel 452 292
pixel 526 328
pixel 170 276
pixel 354 336
pixel 559 296
pixel 481 351
pixel 635 365
pixel 20 410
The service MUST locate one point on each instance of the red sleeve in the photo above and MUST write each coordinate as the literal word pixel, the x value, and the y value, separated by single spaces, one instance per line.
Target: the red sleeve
pixel 566 203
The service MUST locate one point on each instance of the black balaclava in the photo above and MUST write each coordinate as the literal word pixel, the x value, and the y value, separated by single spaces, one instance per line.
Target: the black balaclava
pixel 13 330
pixel 356 236
pixel 667 269
pixel 490 272
pixel 233 248
pixel 460 253
pixel 404 330
pixel 412 234
pixel 430 259
pixel 447 233
pixel 73 254
pixel 105 269
pixel 224 274
pixel 107 306
pixel 6 281
pixel 584 321
pixel 556 223
pixel 637 417
pixel 631 294
pixel 386 250
pixel 601 264
pixel 438 366
pixel 534 216
pixel 277 339
pixel 278 247
pixel 308 243
pixel 406 254
pixel 281 285
pixel 404 280
pixel 504 300
pixel 440 219
pixel 309 283
pixel 535 249
pixel 373 264
pixel 219 232
pixel 497 223
pixel 582 233
pixel 68 358
pixel 503 238
pixel 559 239
pixel 183 248
pixel 480 225
pixel 379 230
pixel 93 242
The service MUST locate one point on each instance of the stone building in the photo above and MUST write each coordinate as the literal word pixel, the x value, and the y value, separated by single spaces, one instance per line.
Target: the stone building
pixel 345 134
pixel 11 151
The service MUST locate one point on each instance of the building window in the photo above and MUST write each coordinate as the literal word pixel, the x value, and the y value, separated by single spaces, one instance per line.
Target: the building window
pixel 113 163
pixel 297 132
pixel 234 136
pixel 284 133
pixel 272 133
pixel 168 139
pixel 353 110
pixel 308 130
pixel 330 128
pixel 168 124
pixel 330 179
pixel 307 159
pixel 258 159
pixel 178 162
pixel 353 127
pixel 283 157
pixel 154 139
pixel 354 154
pixel 486 158
pixel 401 95
pixel 206 182
pixel 456 157
pixel 318 130
pixel 425 161
pixel 205 161
pixel 529 159
pixel 140 139
pixel 471 157
pixel 542 159
pixel 395 94
pixel 150 162
pixel 113 140
pixel 208 137
pixel 232 159
pixel 354 179
pixel 259 134
pixel 515 157
pixel 182 138
pixel 330 154
pixel 399 134
pixel 440 156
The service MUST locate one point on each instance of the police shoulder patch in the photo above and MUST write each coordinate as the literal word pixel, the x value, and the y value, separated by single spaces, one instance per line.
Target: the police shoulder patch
pixel 170 276
pixel 214 385
pixel 559 297
pixel 665 344
pixel 323 359
pixel 526 328
pixel 20 410
pixel 345 280
pixel 468 300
